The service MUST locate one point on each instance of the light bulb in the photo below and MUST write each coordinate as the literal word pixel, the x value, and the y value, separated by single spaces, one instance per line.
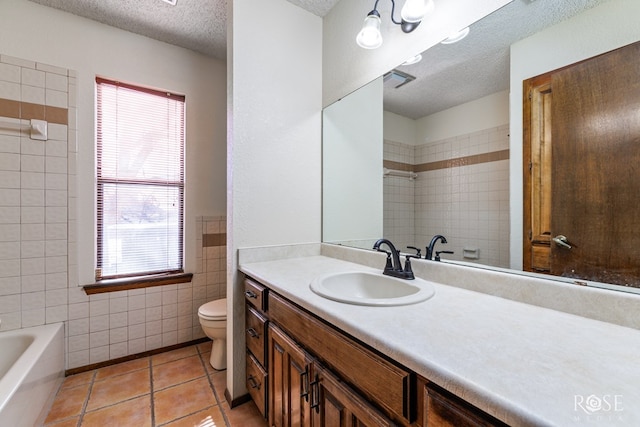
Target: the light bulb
pixel 415 10
pixel 370 37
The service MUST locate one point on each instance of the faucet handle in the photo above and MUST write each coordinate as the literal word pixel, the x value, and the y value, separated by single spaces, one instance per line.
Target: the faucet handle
pixel 417 255
pixel 389 264
pixel 407 271
pixel 442 252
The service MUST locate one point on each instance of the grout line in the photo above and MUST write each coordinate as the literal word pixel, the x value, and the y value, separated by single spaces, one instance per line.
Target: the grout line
pixel 86 400
pixel 215 394
pixel 152 394
pixel 186 416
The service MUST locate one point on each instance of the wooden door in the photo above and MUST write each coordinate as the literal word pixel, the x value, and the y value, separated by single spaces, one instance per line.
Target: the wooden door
pixel 589 114
pixel 334 404
pixel 596 168
pixel 537 150
pixel 289 381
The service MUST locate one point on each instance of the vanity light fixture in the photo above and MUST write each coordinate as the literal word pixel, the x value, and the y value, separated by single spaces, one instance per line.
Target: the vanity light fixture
pixel 456 37
pixel 411 15
pixel 171 2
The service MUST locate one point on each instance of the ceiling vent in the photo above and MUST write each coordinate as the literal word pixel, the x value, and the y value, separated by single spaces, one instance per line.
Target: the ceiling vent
pixel 395 79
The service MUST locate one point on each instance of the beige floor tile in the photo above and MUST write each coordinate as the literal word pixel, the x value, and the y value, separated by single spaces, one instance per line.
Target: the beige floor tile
pixel 122 368
pixel 68 403
pixel 176 372
pixel 210 417
pixel 119 388
pixel 170 356
pixel 120 395
pixel 204 347
pixel 78 379
pixel 181 400
pixel 219 381
pixel 135 412
pixel 245 415
pixel 69 422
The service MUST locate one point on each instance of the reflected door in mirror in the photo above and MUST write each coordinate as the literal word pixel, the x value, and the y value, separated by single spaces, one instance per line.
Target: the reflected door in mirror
pixel 595 216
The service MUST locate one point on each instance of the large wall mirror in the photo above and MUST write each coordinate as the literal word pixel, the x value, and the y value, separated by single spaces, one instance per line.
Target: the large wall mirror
pixel 446 147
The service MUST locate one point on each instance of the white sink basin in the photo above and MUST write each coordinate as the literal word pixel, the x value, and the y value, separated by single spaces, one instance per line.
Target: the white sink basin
pixel 365 288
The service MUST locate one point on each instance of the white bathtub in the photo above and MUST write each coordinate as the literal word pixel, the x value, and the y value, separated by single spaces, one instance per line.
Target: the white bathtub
pixel 31 370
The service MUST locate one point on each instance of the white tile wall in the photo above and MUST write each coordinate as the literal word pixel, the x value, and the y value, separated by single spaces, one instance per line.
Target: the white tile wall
pixel 398 200
pixel 469 204
pixel 33 255
pixel 38 263
pixel 209 281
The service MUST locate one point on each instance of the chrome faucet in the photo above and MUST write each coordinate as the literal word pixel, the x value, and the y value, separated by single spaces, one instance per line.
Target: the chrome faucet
pixel 393 266
pixel 429 254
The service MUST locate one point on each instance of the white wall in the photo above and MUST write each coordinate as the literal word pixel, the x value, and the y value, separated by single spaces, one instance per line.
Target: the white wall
pixel 399 128
pixel 43 34
pixel 346 66
pixel 273 143
pixel 609 26
pixel 107 326
pixel 352 161
pixel 484 113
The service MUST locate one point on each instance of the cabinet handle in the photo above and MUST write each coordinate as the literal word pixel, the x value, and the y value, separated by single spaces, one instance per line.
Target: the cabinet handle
pixel 253 383
pixel 304 379
pixel 250 294
pixel 315 394
pixel 253 333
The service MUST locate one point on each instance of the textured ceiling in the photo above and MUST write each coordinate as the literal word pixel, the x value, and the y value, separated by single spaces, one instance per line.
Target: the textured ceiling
pixel 450 75
pixel 199 25
pixel 447 76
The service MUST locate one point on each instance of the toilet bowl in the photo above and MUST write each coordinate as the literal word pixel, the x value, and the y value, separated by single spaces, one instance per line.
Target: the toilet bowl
pixel 213 319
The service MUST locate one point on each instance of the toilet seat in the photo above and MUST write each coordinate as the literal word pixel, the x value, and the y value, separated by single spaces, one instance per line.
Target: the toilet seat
pixel 214 310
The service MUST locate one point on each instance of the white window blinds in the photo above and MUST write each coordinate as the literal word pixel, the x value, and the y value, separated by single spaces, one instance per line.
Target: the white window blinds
pixel 140 181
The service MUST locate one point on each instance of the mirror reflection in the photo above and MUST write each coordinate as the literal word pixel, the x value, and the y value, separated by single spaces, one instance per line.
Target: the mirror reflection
pixel 451 137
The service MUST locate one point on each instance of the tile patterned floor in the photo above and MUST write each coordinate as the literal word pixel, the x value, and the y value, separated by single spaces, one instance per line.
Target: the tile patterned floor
pixel 173 389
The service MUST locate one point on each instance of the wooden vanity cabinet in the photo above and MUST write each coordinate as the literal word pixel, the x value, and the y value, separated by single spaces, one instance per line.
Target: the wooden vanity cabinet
pixel 255 336
pixel 335 404
pixel 332 355
pixel 302 371
pixel 305 393
pixel 441 408
pixel 289 371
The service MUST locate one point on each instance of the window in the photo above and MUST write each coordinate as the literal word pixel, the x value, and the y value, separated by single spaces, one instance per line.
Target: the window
pixel 140 181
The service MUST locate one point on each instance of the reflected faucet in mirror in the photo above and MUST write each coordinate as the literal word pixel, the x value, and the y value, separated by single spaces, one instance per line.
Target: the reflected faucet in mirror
pixel 393 267
pixel 432 243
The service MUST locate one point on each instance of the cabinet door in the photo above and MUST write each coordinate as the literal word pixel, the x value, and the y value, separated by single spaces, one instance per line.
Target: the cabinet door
pixel 289 381
pixel 334 404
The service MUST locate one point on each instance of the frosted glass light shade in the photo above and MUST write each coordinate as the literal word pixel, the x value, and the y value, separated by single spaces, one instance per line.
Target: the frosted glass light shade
pixel 370 36
pixel 415 10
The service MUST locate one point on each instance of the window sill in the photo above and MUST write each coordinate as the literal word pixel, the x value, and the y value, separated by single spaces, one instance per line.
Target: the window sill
pixel 115 285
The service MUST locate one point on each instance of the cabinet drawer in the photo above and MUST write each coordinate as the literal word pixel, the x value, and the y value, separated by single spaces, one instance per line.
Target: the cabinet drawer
pixel 379 380
pixel 443 409
pixel 257 384
pixel 255 330
pixel 255 294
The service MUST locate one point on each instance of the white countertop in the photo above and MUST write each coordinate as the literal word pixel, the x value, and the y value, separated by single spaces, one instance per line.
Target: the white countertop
pixel 524 364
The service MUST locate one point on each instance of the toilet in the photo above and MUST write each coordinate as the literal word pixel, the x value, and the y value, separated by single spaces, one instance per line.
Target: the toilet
pixel 213 319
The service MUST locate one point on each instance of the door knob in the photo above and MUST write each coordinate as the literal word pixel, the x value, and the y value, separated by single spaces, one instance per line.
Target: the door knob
pixel 561 240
